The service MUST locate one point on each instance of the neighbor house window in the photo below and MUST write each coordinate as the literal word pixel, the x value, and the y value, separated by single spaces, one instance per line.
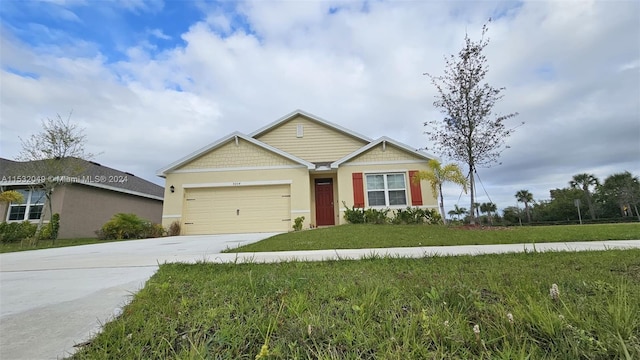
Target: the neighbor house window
pixel 386 189
pixel 30 208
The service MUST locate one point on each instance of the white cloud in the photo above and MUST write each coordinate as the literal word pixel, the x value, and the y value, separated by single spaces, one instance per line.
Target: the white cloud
pixel 570 71
pixel 158 33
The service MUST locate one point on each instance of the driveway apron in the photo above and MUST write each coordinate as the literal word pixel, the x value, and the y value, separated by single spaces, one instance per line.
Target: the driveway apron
pixel 52 299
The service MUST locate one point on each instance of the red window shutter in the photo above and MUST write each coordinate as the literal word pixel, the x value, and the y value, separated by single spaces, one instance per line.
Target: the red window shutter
pixel 358 190
pixel 416 191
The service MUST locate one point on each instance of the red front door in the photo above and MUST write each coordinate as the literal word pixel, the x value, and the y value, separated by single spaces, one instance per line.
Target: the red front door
pixel 324 202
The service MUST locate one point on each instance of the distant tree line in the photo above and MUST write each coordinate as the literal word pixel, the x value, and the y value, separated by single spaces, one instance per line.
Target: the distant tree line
pixel 585 198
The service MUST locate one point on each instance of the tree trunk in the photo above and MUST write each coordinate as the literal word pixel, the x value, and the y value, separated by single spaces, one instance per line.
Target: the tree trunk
pixel 444 215
pixel 590 204
pixel 50 210
pixel 472 188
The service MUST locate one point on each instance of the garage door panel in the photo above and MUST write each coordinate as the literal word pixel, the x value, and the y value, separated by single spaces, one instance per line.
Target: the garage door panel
pixel 237 209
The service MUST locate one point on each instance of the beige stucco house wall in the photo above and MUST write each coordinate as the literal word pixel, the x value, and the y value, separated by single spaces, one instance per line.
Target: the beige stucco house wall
pixel 85 206
pixel 299 165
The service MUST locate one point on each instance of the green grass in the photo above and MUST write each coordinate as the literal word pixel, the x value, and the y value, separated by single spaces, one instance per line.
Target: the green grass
pixel 381 236
pixel 386 308
pixel 48 244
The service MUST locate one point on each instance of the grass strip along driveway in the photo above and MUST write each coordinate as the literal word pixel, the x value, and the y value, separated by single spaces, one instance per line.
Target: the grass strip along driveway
pixel 49 244
pixel 383 236
pixel 489 306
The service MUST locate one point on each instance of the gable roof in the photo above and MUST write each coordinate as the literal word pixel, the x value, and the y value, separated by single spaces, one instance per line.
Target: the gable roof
pixel 178 163
pixel 90 170
pixel 311 117
pixel 384 139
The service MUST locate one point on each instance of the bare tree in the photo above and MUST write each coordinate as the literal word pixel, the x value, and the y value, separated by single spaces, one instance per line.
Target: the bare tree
pixel 470 132
pixel 54 155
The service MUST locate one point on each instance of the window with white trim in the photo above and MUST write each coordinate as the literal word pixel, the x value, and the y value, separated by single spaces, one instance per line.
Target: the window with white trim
pixel 30 208
pixel 386 189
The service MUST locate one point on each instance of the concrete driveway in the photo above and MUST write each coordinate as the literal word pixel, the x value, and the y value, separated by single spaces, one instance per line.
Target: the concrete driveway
pixel 53 299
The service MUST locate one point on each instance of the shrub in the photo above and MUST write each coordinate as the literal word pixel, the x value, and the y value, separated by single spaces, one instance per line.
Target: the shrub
pixel 152 230
pixel 174 229
pixel 50 231
pixel 128 226
pixel 297 226
pixel 401 216
pixel 16 231
pixel 376 216
pixel 408 216
pixel 353 215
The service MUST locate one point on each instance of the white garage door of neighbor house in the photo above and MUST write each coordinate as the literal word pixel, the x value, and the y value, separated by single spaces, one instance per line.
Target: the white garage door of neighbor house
pixel 237 209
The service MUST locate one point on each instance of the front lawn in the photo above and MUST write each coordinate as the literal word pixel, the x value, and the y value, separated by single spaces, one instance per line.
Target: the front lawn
pixel 382 236
pixel 466 307
pixel 48 244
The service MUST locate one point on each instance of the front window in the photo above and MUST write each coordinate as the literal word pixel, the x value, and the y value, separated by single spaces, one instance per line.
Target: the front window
pixel 30 208
pixel 386 189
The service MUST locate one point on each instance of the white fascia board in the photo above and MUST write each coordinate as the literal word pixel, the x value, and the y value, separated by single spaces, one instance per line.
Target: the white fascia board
pixel 162 172
pixel 19 183
pixel 313 118
pixel 237 183
pixel 373 144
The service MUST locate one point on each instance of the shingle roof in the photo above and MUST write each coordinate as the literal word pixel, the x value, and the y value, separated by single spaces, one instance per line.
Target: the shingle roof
pixel 90 173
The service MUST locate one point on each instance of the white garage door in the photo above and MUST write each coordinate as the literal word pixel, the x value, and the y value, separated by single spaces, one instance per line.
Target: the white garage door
pixel 238 209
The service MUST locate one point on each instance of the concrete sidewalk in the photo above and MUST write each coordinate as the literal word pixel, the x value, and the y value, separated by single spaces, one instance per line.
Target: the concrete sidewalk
pixel 418 252
pixel 55 298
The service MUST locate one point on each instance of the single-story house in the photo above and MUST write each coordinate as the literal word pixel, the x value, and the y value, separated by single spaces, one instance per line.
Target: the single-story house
pixel 299 165
pixel 85 201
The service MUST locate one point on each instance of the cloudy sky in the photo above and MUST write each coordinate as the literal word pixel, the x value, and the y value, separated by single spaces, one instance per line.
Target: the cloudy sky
pixel 152 81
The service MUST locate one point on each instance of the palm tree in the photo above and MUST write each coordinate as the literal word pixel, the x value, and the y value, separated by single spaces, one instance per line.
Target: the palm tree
pixel 438 175
pixel 457 211
pixel 584 181
pixel 10 196
pixel 488 208
pixel 524 196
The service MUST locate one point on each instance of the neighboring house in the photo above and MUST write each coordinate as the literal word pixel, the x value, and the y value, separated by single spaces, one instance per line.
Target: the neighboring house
pixel 300 165
pixel 85 202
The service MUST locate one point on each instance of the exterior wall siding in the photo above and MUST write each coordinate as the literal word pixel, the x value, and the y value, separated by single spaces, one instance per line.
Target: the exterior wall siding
pixel 318 143
pixel 84 209
pixel 230 155
pixel 377 154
